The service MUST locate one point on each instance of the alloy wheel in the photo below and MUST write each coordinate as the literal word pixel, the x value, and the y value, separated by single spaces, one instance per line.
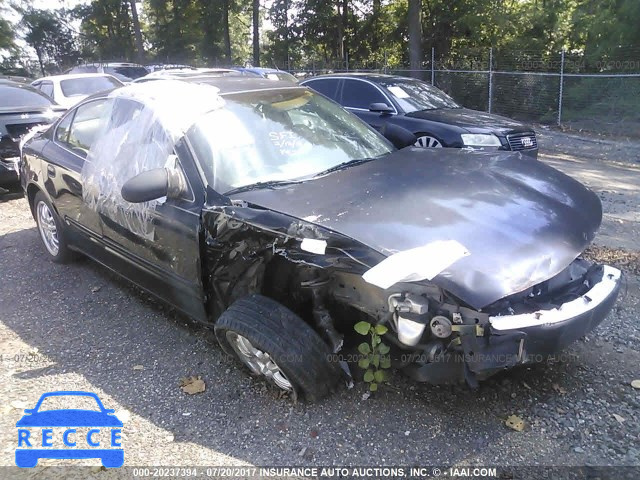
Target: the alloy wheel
pixel 258 361
pixel 48 228
pixel 428 142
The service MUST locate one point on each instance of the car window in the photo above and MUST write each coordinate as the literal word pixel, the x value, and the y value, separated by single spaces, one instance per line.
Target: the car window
pixel 47 88
pixel 326 86
pixel 88 85
pixel 62 131
pixel 359 94
pixel 415 95
pixel 85 125
pixel 279 135
pixel 129 73
pixel 22 97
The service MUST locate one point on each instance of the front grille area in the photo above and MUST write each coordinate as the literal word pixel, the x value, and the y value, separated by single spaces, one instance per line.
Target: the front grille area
pixel 17 130
pixel 522 141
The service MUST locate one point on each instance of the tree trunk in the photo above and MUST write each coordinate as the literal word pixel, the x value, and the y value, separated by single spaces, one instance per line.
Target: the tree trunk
pixel 415 37
pixel 256 33
pixel 39 55
pixel 345 27
pixel 227 35
pixel 138 32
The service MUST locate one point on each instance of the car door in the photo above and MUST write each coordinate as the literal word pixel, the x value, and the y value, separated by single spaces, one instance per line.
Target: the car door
pixel 156 244
pixel 357 95
pixel 66 155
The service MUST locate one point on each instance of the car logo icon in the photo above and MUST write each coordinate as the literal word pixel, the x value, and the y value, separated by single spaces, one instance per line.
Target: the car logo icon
pixel 35 429
pixel 527 142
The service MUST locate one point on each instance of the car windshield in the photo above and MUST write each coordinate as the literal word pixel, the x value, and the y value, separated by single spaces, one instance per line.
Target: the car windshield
pixel 22 97
pixel 126 73
pixel 280 76
pixel 73 402
pixel 279 135
pixel 87 85
pixel 414 95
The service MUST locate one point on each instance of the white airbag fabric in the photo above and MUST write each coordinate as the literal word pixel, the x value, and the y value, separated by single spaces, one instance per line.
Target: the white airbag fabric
pixel 421 263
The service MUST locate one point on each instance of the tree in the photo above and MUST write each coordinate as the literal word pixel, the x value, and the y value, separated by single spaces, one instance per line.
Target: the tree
pixel 138 32
pixel 256 32
pixel 106 29
pixel 7 37
pixel 48 33
pixel 415 36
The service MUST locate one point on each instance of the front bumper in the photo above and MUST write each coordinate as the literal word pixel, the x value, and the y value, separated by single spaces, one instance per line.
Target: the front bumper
pixel 511 340
pixel 549 331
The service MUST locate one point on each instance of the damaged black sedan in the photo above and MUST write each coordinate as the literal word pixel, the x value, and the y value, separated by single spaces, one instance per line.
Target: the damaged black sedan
pixel 272 214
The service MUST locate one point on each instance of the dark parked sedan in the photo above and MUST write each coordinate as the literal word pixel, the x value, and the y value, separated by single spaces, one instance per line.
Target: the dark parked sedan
pixel 22 107
pixel 270 213
pixel 434 117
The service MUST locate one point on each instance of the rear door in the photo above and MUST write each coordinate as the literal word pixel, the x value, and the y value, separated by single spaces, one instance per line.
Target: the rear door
pixel 66 155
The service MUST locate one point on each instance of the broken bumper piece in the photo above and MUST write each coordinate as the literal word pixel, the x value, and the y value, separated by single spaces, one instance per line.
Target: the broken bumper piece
pixel 512 340
pixel 548 331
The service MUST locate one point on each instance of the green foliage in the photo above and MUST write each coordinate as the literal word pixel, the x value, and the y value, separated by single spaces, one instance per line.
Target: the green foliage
pixel 7 36
pixel 375 358
pixel 334 34
pixel 49 34
pixel 106 30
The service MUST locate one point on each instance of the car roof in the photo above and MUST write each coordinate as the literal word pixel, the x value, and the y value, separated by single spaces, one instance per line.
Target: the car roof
pixel 72 76
pixel 362 75
pixel 109 64
pixel 23 86
pixel 240 83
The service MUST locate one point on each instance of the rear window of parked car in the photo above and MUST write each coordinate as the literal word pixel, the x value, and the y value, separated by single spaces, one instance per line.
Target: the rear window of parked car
pixel 87 86
pixel 22 96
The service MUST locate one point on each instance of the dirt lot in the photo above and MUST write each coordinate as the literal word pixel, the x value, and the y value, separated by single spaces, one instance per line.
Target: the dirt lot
pixel 78 327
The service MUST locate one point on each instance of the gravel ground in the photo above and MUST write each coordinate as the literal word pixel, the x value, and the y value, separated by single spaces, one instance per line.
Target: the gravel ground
pixel 78 327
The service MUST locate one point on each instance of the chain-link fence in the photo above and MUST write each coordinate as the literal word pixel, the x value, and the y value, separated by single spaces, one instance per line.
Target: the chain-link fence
pixel 564 88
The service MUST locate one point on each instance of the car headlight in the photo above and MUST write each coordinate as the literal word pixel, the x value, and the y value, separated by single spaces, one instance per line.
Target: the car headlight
pixel 480 140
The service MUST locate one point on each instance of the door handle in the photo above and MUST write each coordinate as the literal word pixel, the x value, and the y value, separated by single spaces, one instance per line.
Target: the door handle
pixel 51 171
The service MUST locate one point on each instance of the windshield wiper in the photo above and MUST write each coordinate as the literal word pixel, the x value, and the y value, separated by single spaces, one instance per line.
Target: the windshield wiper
pixel 343 165
pixel 258 185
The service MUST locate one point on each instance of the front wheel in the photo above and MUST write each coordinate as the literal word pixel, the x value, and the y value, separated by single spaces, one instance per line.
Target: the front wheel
pixel 427 141
pixel 275 343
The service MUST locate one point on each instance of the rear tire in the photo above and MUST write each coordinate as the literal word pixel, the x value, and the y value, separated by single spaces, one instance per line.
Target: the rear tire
pixel 274 342
pixel 51 229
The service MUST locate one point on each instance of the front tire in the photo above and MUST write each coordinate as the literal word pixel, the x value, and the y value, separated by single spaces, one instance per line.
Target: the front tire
pixel 274 342
pixel 51 230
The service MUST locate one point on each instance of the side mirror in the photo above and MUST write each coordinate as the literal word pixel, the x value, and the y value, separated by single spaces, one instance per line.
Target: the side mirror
pixel 380 107
pixel 400 137
pixel 153 184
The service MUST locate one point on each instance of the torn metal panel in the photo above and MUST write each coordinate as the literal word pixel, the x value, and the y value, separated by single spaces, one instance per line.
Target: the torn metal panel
pixel 240 240
pixel 521 221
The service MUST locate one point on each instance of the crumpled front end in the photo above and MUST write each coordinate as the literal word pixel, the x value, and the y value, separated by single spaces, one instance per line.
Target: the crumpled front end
pixel 443 342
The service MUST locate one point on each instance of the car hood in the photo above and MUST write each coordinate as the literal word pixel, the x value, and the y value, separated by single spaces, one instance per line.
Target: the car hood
pixel 69 418
pixel 471 120
pixel 522 221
